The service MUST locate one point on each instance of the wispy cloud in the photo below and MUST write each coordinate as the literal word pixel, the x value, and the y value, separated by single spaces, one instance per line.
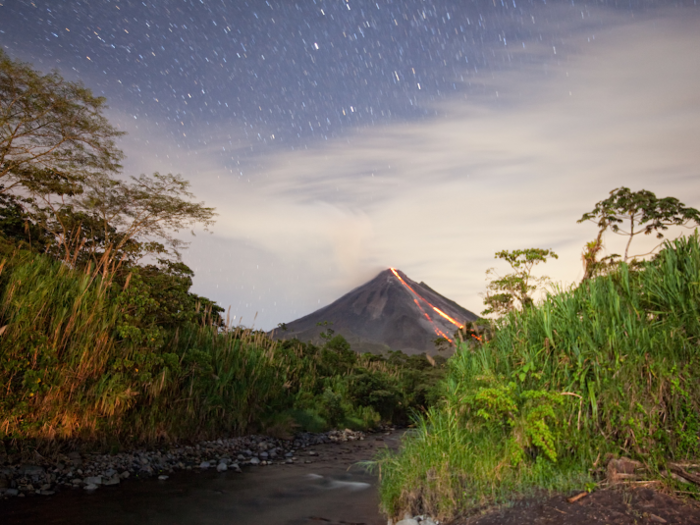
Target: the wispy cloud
pixel 438 197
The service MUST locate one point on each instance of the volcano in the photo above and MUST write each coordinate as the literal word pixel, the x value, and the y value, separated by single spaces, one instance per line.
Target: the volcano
pixel 389 312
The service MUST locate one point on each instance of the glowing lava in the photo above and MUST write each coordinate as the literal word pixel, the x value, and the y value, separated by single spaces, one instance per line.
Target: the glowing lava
pixel 437 310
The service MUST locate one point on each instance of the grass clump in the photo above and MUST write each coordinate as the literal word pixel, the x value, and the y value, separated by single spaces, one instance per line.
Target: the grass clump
pixel 136 358
pixel 610 368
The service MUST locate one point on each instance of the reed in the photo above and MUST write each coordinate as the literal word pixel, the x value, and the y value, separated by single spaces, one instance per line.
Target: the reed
pixel 610 367
pixel 78 362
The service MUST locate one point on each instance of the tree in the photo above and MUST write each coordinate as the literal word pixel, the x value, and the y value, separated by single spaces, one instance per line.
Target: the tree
pixel 633 213
pixel 146 208
pixel 58 149
pixel 53 135
pixel 505 293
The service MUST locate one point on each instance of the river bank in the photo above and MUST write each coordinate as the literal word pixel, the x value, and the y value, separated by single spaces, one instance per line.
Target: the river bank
pixel 44 476
pixel 320 483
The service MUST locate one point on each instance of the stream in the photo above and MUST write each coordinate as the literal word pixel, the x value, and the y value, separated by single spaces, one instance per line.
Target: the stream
pixel 324 487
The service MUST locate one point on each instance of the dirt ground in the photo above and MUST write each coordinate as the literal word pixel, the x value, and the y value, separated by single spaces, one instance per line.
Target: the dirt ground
pixel 613 506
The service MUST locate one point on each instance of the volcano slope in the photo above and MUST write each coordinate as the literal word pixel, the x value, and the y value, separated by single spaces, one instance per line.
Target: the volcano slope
pixel 389 312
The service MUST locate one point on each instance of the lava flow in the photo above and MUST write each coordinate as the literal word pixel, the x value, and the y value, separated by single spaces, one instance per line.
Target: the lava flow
pixel 437 310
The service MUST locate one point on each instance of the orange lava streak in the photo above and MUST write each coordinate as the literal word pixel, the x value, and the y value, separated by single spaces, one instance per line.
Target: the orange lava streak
pixel 437 310
pixel 437 330
pixel 446 316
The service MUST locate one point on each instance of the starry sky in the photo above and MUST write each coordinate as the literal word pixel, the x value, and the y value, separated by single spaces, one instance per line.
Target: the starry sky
pixel 337 138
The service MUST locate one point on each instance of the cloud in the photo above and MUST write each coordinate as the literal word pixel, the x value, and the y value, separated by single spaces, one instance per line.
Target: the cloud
pixel 438 197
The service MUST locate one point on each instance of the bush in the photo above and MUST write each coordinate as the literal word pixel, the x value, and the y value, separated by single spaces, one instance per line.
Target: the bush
pixel 610 367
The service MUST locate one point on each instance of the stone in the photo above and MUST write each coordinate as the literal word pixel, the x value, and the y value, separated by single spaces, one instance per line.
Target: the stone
pixel 90 486
pixel 11 492
pixel 221 467
pixel 93 480
pixel 31 470
pixel 407 521
pixel 114 480
pixel 162 477
pixel 254 461
pixel 622 469
pixel 204 465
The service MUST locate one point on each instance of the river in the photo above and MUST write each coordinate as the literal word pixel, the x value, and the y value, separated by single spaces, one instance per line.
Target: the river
pixel 324 487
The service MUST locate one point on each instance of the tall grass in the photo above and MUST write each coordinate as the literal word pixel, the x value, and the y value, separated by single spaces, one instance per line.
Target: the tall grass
pixel 610 367
pixel 79 362
pixel 65 373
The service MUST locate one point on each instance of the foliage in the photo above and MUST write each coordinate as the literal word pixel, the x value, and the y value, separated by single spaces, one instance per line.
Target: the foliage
pixel 506 293
pixel 57 147
pixel 610 367
pixel 643 213
pixel 147 208
pixel 140 359
pixel 53 135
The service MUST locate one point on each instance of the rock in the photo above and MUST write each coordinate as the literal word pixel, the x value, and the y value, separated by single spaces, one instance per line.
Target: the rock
pixel 90 486
pixel 114 480
pixel 45 492
pixel 76 481
pixel 428 521
pixel 221 467
pixel 407 521
pixel 125 474
pixel 254 461
pixel 93 480
pixel 31 470
pixel 204 465
pixel 162 477
pixel 11 492
pixel 622 469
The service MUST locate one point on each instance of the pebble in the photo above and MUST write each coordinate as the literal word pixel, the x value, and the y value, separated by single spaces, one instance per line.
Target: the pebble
pixel 92 471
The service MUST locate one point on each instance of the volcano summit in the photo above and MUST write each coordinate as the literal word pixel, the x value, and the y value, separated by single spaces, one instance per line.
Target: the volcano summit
pixel 389 312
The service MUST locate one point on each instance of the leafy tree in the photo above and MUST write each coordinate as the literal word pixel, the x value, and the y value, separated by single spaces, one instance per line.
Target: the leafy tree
pixel 631 214
pixel 506 293
pixel 146 208
pixel 16 225
pixel 57 147
pixel 53 135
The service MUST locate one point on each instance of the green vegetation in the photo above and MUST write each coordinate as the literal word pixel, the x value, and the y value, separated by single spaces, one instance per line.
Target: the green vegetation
pixel 632 213
pixel 515 289
pixel 610 367
pixel 83 357
pixel 101 339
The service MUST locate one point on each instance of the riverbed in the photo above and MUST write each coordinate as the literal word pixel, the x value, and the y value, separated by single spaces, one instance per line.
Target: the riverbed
pixel 325 486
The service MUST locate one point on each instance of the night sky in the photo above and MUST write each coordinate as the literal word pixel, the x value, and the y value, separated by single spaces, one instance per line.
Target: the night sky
pixel 337 138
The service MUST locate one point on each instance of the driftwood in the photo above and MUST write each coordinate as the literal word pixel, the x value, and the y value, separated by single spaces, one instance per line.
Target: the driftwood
pixel 680 471
pixel 574 499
